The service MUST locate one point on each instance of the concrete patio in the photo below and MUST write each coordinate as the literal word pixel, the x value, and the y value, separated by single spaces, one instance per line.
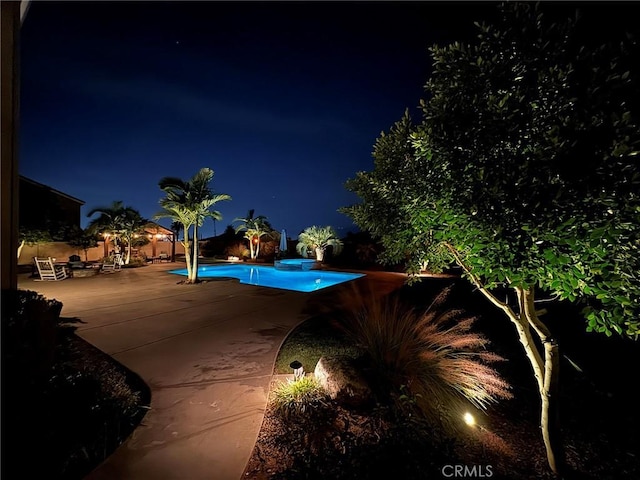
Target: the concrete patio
pixel 207 353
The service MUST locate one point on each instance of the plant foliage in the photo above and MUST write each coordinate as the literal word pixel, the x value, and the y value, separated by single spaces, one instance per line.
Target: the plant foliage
pixel 293 399
pixel 315 237
pixel 254 229
pixel 190 203
pixel 525 173
pixel 433 357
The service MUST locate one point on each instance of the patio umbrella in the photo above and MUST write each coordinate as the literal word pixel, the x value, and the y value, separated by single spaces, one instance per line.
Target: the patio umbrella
pixel 283 241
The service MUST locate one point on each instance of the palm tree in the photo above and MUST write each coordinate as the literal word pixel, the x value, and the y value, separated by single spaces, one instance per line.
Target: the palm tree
pixel 132 225
pixel 318 239
pixel 178 212
pixel 254 229
pixel 119 221
pixel 190 204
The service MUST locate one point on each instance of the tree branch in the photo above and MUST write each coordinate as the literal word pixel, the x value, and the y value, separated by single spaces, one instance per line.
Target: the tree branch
pixel 478 283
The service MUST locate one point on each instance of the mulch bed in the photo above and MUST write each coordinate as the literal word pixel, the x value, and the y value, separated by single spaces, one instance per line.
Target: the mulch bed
pixel 600 439
pixel 599 420
pixel 63 426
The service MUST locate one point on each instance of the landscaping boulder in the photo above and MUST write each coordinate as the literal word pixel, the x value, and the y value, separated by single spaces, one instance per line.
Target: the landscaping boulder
pixel 343 381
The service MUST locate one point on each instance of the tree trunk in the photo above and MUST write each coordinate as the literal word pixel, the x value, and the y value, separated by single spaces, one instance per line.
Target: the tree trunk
pixel 187 256
pixel 20 247
pixel 251 248
pixel 545 369
pixel 319 254
pixel 128 259
pixel 187 252
pixel 549 408
pixel 194 268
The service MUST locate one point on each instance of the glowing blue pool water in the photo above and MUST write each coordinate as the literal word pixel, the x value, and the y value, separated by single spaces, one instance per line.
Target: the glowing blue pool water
pixel 294 264
pixel 264 276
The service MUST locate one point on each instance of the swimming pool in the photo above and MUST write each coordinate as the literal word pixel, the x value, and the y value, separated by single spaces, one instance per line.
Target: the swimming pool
pixel 265 276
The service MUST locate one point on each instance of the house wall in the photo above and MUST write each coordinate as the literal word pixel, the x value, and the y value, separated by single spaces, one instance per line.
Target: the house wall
pixel 43 208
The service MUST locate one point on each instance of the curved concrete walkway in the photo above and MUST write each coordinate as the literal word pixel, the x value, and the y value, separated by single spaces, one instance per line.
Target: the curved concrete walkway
pixel 207 353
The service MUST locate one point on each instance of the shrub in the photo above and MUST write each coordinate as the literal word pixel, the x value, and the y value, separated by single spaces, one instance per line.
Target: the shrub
pixel 293 399
pixel 136 262
pixel 237 250
pixel 432 358
pixel 29 333
pixel 268 249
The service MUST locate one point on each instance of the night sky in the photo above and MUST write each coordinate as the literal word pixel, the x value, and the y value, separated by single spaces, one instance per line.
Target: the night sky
pixel 284 101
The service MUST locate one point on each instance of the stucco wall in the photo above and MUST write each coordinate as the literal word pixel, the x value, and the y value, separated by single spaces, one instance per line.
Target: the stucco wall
pixel 62 251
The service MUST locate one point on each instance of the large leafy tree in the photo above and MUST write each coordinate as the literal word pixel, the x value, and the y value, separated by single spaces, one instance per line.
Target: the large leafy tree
pixel 398 177
pixel 82 239
pixel 30 236
pixel 190 202
pixel 254 229
pixel 529 181
pixel 119 222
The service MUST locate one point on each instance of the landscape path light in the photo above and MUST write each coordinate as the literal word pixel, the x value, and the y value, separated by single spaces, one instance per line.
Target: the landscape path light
pixel 298 370
pixel 470 420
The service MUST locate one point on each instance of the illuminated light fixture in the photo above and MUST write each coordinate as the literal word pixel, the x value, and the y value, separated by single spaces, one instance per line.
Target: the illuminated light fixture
pixel 298 370
pixel 158 235
pixel 255 239
pixel 469 420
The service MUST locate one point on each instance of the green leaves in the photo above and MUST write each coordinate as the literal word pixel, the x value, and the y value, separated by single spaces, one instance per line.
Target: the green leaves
pixel 189 202
pixel 523 164
pixel 318 237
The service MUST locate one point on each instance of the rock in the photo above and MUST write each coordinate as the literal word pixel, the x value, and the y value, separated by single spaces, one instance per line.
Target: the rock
pixel 343 381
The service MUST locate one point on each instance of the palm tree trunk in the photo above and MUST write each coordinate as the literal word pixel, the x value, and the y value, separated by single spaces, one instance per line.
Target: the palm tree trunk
pixel 194 269
pixel 128 259
pixel 187 252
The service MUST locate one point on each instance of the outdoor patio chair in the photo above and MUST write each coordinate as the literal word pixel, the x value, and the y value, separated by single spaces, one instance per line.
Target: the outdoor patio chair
pixel 48 270
pixel 163 257
pixel 113 263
